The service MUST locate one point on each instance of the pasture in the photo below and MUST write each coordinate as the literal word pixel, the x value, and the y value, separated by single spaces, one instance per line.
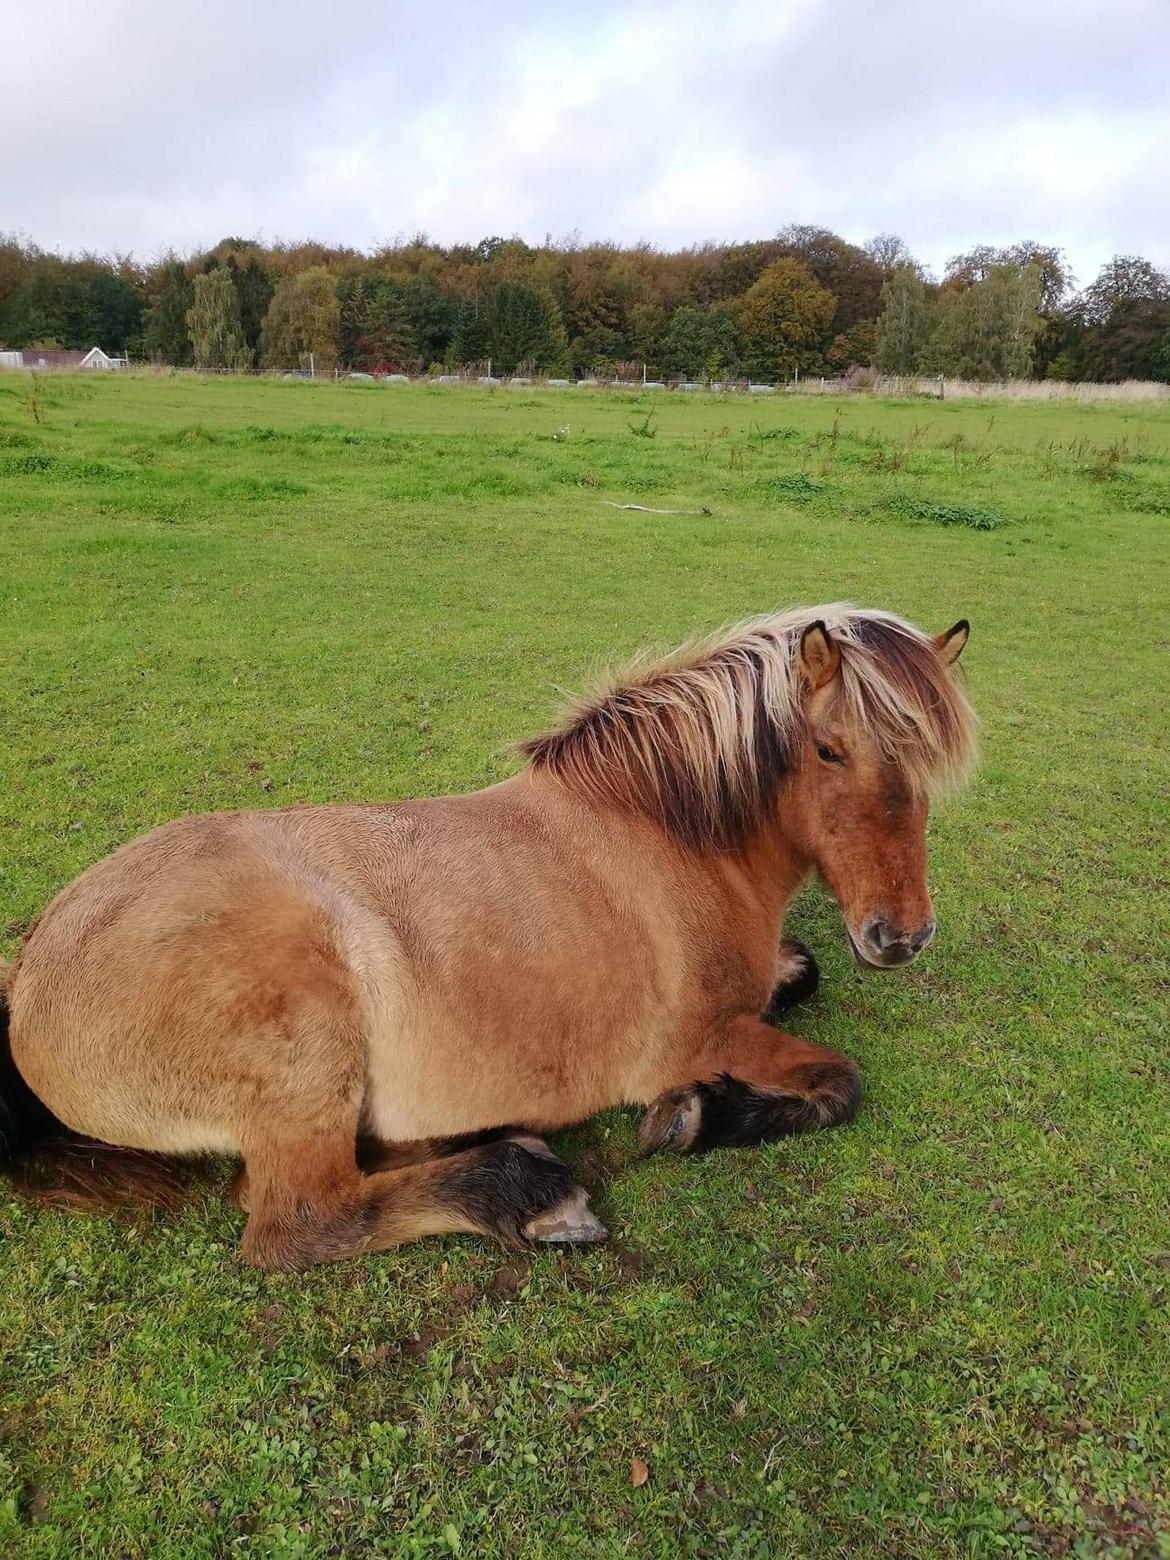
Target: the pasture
pixel 941 1331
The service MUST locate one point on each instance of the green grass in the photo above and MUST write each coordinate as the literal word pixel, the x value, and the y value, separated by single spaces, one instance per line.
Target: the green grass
pixel 940 1332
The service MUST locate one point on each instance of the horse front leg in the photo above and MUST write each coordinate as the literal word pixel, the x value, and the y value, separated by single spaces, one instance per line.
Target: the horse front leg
pixel 754 1084
pixel 797 978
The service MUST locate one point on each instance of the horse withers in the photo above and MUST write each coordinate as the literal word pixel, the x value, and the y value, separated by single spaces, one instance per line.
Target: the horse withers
pixel 383 1008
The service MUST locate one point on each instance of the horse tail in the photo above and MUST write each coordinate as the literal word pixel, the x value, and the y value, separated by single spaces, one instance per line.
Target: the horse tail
pixel 51 1164
pixel 24 1120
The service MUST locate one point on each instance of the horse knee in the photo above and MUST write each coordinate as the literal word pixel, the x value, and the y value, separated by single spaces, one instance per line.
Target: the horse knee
pixel 302 1198
pixel 277 1249
pixel 288 1237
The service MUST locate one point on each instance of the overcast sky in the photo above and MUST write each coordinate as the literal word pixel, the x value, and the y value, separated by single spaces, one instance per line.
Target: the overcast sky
pixel 143 125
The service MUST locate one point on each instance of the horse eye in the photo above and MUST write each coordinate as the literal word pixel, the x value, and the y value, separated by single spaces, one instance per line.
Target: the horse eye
pixel 827 755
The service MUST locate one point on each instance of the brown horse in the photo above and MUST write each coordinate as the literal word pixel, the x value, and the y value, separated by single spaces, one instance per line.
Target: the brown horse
pixel 382 1007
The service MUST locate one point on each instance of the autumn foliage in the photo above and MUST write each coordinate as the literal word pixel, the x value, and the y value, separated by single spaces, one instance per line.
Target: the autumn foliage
pixel 803 302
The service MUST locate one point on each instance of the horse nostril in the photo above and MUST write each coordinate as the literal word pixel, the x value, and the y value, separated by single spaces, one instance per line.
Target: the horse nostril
pixel 891 944
pixel 923 936
pixel 880 934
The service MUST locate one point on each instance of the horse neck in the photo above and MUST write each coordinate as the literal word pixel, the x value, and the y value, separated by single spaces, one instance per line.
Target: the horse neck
pixel 766 871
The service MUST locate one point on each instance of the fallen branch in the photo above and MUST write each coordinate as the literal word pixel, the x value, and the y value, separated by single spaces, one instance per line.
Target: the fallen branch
pixel 644 509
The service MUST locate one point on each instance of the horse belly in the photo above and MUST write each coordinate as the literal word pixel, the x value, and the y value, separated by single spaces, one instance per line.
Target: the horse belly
pixel 435 1071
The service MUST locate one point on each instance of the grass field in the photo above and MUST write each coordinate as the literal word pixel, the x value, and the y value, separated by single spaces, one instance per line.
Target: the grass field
pixel 940 1332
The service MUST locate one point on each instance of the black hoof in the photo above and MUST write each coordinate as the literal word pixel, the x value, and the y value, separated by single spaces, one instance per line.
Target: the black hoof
pixel 517 1187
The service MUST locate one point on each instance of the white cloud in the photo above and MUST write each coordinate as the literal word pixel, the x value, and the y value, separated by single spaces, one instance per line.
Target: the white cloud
pixel 132 126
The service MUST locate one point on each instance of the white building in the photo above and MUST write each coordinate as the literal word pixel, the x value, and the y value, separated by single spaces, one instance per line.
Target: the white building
pixel 54 357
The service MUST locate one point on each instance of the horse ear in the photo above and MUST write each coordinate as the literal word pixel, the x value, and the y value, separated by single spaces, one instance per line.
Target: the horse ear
pixel 950 645
pixel 820 655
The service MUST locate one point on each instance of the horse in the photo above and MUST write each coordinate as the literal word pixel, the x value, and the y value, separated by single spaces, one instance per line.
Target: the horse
pixel 384 1009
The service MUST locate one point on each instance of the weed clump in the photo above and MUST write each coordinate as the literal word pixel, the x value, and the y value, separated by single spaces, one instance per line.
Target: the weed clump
pixel 794 486
pixel 36 463
pixel 928 512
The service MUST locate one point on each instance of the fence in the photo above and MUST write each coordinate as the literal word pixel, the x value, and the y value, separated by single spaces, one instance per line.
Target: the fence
pixel 859 382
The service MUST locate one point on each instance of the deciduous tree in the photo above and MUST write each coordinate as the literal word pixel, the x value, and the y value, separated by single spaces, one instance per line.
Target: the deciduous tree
pixel 783 316
pixel 988 331
pixel 903 327
pixel 167 338
pixel 1125 321
pixel 700 344
pixel 303 322
pixel 213 320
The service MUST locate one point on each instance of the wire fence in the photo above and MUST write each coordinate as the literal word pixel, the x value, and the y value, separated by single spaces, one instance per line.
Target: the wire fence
pixel 858 382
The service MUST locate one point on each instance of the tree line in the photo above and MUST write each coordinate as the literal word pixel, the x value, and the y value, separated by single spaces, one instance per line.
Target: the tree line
pixel 806 301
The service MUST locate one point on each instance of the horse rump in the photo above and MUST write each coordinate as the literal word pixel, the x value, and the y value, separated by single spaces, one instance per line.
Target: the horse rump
pixel 51 1164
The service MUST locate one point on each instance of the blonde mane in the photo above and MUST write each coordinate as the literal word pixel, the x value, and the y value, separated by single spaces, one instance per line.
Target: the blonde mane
pixel 700 739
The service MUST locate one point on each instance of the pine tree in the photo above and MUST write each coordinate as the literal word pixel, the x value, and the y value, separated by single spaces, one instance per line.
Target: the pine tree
pixel 254 294
pixel 471 341
pixel 428 314
pixel 375 330
pixel 525 329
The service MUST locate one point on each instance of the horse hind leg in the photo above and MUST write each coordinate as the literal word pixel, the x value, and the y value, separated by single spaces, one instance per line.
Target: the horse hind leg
pixel 374 1153
pixel 309 1203
pixel 302 1185
pixel 571 1221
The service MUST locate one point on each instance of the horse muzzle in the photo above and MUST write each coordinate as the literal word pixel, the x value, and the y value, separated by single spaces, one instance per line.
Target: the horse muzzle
pixel 882 945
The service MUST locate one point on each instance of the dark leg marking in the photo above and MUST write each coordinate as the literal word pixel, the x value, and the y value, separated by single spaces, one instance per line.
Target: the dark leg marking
pixel 521 1191
pixel 728 1112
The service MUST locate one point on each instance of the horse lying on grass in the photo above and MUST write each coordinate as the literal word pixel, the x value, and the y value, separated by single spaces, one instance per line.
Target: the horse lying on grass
pixel 381 1008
